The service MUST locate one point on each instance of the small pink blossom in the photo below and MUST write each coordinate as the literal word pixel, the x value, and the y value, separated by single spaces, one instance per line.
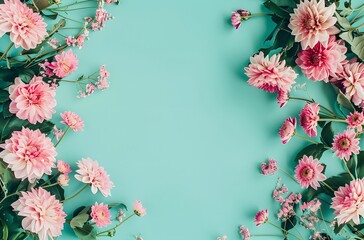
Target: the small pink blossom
pixel 244 232
pixel 102 82
pixel 309 118
pixel 288 129
pixel 313 206
pixel 63 180
pixel 270 168
pixel 100 215
pixel 346 144
pixel 138 208
pixel 121 215
pixel 90 88
pixel 53 43
pixel 282 98
pixel 58 133
pixel 239 16
pixel 309 172
pixel 64 64
pixel 72 120
pixel 356 121
pixel 71 41
pixel 111 1
pixel 63 167
pixel 261 217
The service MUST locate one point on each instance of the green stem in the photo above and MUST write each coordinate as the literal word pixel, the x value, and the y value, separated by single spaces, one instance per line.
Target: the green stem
pixel 306 138
pixel 328 186
pixel 5 54
pixel 260 15
pixel 289 175
pixel 10 195
pixel 62 136
pixel 72 4
pixel 313 101
pixel 331 120
pixel 50 185
pixel 76 194
pixel 115 227
pixel 266 235
pixel 55 175
pixel 347 169
pixel 284 230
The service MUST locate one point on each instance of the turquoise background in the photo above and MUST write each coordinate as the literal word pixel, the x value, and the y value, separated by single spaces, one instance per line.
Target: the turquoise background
pixel 179 128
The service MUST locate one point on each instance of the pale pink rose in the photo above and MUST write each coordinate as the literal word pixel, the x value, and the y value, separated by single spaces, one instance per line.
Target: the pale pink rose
pixel 244 232
pixel 91 173
pixel 312 22
pixel 346 144
pixel 72 120
pixel 282 98
pixel 100 215
pixel 348 202
pixel 309 172
pixel 356 120
pixel 139 209
pixel 270 74
pixel 287 131
pixel 64 64
pixel 43 213
pixel 63 167
pixel 320 63
pixel 121 215
pixel 27 29
pixel 261 217
pixel 270 168
pixel 309 118
pixel 63 180
pixel 239 16
pixel 33 101
pixel 29 154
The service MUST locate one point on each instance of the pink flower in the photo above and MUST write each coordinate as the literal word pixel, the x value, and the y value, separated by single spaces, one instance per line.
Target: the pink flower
pixel 239 16
pixel 313 206
pixel 139 209
pixel 58 133
pixel 63 167
pixel 270 74
pixel 63 180
pixel 29 154
pixel 91 173
pixel 287 130
pixel 261 217
pixel 102 82
pixel 309 118
pixel 309 172
pixel 27 29
pixel 312 22
pixel 33 101
pixel 345 144
pixel 64 64
pixel 356 120
pixel 270 168
pixel 319 63
pixel 348 202
pixel 121 215
pixel 111 1
pixel 43 213
pixel 100 214
pixel 244 232
pixel 282 98
pixel 72 120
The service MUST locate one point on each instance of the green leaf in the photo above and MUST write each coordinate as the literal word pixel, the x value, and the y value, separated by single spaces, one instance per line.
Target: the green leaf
pixel 26 75
pixel 50 16
pixel 5 230
pixel 57 191
pixel 327 135
pixel 343 22
pixel 274 8
pixel 285 3
pixel 6 111
pixel 120 205
pixel 4 96
pixel 338 228
pixel 79 220
pixel 352 164
pixel 87 232
pixel 343 101
pixel 360 164
pixel 356 43
pixel 289 224
pixel 314 150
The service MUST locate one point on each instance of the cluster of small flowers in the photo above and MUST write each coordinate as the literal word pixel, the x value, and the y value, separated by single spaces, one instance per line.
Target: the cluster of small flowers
pixel 101 83
pixel 309 216
pixel 101 16
pixel 269 169
pixel 64 64
pixel 76 41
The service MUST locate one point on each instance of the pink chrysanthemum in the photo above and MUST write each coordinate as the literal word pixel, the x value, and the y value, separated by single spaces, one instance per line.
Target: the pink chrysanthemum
pixel 287 130
pixel 100 215
pixel 239 16
pixel 345 144
pixel 282 98
pixel 63 167
pixel 261 217
pixel 356 120
pixel 72 120
pixel 33 101
pixel 309 118
pixel 27 29
pixel 91 173
pixel 64 64
pixel 29 154
pixel 319 63
pixel 138 208
pixel 270 74
pixel 348 202
pixel 312 22
pixel 43 213
pixel 244 232
pixel 270 168
pixel 309 172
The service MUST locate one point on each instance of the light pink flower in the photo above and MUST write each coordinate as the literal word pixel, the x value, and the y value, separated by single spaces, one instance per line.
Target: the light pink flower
pixel 91 173
pixel 348 202
pixel 43 213
pixel 72 120
pixel 287 130
pixel 345 144
pixel 270 74
pixel 356 120
pixel 139 209
pixel 282 98
pixel 261 217
pixel 111 1
pixel 29 154
pixel 239 16
pixel 64 64
pixel 319 63
pixel 309 172
pixel 102 82
pixel 244 232
pixel 33 101
pixel 270 168
pixel 27 29
pixel 313 206
pixel 100 214
pixel 121 215
pixel 63 167
pixel 58 133
pixel 63 180
pixel 312 22
pixel 309 118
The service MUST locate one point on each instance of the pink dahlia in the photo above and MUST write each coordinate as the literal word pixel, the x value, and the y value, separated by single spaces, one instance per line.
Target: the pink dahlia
pixel 64 64
pixel 309 172
pixel 139 209
pixel 244 232
pixel 270 168
pixel 63 167
pixel 345 144
pixel 312 22
pixel 239 16
pixel 261 217
pixel 356 120
pixel 72 120
pixel 270 74
pixel 348 202
pixel 287 130
pixel 43 213
pixel 309 118
pixel 319 63
pixel 29 154
pixel 91 173
pixel 100 215
pixel 27 29
pixel 33 101
pixel 63 180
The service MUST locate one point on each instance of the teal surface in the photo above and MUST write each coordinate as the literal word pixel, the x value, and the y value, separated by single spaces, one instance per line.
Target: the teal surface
pixel 179 128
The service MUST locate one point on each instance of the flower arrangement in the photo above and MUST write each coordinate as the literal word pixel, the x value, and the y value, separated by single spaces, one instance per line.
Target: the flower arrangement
pixel 324 40
pixel 33 181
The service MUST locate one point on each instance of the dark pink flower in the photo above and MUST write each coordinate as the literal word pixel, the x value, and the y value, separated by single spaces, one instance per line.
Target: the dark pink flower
pixel 261 217
pixel 309 118
pixel 309 172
